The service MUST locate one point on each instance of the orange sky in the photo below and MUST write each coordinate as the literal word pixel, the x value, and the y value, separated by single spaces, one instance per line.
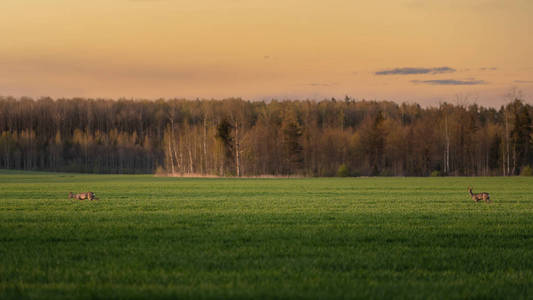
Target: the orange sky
pixel 404 50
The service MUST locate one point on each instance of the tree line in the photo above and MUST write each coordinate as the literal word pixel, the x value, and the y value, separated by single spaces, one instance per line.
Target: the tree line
pixel 234 137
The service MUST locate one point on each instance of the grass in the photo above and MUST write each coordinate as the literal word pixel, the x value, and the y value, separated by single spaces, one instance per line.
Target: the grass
pixel 215 238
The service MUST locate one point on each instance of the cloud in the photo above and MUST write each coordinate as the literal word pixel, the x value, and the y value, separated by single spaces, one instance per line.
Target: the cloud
pixel 523 81
pixel 410 71
pixel 147 0
pixel 449 82
pixel 461 5
pixel 488 69
pixel 103 70
pixel 319 84
pixel 416 4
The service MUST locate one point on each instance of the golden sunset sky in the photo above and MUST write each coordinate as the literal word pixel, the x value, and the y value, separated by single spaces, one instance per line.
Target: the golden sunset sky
pixel 405 50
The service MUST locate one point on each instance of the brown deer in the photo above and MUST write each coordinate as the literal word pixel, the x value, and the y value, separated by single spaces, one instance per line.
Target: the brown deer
pixel 82 196
pixel 479 196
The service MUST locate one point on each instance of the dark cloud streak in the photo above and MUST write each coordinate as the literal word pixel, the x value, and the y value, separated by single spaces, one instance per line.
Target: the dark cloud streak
pixel 411 71
pixel 449 82
pixel 488 69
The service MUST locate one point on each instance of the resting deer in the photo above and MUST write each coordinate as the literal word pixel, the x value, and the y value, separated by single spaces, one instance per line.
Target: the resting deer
pixel 479 196
pixel 82 196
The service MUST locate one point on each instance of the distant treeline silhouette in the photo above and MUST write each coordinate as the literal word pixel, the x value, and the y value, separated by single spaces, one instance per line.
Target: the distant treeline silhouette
pixel 234 137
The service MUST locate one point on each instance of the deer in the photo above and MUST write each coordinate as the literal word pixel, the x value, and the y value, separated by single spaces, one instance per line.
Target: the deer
pixel 82 196
pixel 479 196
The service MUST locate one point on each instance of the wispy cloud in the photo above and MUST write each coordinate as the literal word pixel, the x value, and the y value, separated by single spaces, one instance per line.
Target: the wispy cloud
pixel 488 69
pixel 147 0
pixel 449 82
pixel 523 81
pixel 456 5
pixel 178 72
pixel 319 84
pixel 411 71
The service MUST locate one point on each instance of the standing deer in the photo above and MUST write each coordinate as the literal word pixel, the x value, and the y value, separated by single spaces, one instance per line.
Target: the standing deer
pixel 479 196
pixel 82 196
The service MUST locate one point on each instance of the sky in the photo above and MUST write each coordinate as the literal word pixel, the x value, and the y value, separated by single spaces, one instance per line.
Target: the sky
pixel 400 50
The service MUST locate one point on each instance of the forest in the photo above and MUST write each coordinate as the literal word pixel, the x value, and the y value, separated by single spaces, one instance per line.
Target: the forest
pixel 235 137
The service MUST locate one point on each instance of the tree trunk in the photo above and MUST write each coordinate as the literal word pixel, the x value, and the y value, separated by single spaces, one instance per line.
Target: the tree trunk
pixel 237 151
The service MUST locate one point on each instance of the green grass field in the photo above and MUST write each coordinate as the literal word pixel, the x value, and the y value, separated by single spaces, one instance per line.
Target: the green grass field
pixel 316 238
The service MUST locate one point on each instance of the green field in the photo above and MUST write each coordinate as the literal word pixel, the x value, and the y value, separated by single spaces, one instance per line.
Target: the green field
pixel 316 238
